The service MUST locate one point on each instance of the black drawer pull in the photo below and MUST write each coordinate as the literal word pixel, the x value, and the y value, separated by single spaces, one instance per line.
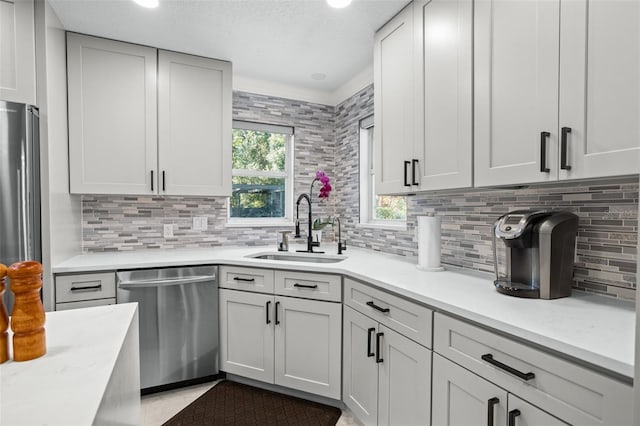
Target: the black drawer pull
pixel 490 409
pixel 267 310
pixel 88 288
pixel 505 367
pixel 277 320
pixel 151 180
pixel 378 349
pixel 512 417
pixel 370 335
pixel 378 308
pixel 244 280
pixel 163 182
pixel 305 285
pixel 543 152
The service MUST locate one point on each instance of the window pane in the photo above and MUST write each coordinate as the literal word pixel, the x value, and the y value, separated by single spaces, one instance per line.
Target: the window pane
pixel 261 151
pixel 257 197
pixel 390 208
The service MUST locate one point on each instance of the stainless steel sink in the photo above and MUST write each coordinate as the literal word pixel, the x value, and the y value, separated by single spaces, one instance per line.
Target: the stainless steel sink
pixel 299 257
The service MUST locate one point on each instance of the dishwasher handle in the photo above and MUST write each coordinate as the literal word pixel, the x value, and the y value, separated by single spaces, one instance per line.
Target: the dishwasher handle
pixel 131 285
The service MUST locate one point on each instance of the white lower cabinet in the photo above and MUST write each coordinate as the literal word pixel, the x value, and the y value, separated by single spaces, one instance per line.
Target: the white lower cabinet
pixel 461 398
pixel 283 340
pixel 473 365
pixel 386 378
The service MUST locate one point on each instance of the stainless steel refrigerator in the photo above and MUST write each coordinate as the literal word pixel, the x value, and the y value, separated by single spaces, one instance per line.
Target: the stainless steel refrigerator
pixel 19 185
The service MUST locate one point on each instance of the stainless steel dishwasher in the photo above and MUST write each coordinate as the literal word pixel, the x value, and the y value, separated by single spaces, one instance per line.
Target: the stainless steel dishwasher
pixel 178 312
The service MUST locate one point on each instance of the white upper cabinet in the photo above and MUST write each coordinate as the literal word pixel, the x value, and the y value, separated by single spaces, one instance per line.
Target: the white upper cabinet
pixel 600 87
pixel 17 50
pixel 393 107
pixel 423 98
pixel 443 93
pixel 112 116
pixel 557 94
pixel 516 91
pixel 194 133
pixel 147 122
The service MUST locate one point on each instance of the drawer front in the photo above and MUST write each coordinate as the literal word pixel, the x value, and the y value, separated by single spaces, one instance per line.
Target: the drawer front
pixel 249 279
pixel 309 285
pixel 75 288
pixel 407 318
pixel 570 392
pixel 84 304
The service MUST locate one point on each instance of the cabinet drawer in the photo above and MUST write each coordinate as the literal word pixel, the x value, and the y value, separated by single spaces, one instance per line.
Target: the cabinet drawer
pixel 84 304
pixel 251 279
pixel 309 285
pixel 407 318
pixel 571 392
pixel 74 288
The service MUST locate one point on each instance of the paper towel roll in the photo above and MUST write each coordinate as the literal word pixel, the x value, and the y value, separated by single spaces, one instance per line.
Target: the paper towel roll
pixel 429 243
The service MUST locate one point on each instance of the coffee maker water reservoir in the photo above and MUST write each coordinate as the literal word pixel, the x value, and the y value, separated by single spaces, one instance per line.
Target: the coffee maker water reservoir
pixel 533 253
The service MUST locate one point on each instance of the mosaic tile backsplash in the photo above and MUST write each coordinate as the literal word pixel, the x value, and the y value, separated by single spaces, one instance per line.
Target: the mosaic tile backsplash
pixel 328 138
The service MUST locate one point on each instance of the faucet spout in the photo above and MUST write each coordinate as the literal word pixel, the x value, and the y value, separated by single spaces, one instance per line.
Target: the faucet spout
pixel 341 246
pixel 310 243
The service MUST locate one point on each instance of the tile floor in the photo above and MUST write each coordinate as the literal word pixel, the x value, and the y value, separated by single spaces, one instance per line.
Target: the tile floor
pixel 160 407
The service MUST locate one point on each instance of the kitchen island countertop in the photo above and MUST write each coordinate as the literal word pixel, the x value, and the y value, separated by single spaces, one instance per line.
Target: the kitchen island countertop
pixel 89 375
pixel 590 329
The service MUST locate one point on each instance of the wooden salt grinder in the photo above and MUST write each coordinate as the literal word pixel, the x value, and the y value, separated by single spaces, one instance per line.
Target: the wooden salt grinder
pixel 27 318
pixel 4 318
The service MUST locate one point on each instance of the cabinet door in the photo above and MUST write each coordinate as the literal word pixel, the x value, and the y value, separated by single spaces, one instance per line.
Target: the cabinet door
pixel 444 78
pixel 516 58
pixel 600 88
pixel 460 398
pixel 308 345
pixel 246 334
pixel 360 376
pixel 522 413
pixel 194 127
pixel 17 50
pixel 393 106
pixel 112 116
pixel 404 380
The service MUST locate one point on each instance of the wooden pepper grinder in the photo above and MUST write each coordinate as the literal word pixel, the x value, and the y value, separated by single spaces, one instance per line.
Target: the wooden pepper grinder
pixel 27 318
pixel 4 318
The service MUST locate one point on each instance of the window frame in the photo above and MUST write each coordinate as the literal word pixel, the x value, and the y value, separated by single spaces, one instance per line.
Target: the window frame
pixel 288 176
pixel 367 181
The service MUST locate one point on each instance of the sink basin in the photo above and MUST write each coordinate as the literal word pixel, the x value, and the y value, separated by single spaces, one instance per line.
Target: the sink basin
pixel 299 257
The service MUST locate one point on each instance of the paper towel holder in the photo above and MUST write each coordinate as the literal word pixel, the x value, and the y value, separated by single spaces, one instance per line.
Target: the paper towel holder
pixel 431 268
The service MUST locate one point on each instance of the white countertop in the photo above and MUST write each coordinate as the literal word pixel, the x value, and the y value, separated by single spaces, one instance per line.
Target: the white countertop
pixel 596 330
pixel 67 384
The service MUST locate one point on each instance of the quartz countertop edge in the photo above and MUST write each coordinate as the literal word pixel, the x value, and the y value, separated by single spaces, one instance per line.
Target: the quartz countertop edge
pixel 595 330
pixel 83 346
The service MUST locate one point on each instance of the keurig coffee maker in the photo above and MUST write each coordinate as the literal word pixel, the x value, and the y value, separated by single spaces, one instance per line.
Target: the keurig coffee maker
pixel 533 253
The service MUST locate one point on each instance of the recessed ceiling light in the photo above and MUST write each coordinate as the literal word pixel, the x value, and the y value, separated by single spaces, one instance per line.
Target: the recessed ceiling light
pixel 147 3
pixel 318 76
pixel 339 4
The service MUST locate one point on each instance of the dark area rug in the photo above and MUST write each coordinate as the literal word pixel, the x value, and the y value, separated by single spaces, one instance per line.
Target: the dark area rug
pixel 231 403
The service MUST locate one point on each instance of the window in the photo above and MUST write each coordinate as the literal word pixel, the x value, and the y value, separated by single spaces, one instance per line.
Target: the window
pixel 262 174
pixel 376 210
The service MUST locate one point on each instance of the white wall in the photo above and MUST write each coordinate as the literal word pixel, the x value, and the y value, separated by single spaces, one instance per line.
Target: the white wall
pixel 61 214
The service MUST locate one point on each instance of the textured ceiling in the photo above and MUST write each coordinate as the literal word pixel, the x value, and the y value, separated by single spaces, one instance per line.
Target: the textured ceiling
pixel 280 41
